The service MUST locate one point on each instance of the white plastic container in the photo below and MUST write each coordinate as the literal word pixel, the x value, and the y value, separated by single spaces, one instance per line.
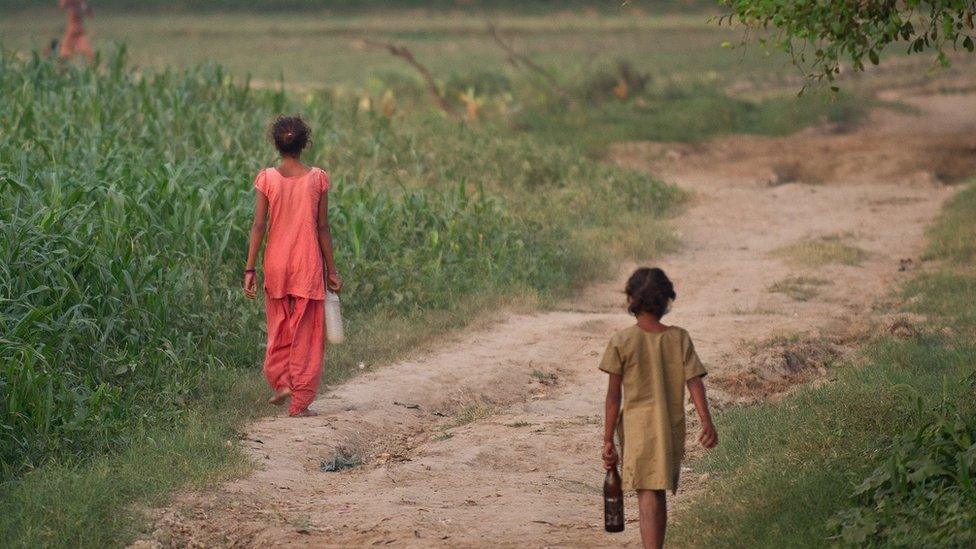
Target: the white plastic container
pixel 333 319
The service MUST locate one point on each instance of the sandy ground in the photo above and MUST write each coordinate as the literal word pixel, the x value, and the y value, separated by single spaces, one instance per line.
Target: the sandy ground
pixel 493 440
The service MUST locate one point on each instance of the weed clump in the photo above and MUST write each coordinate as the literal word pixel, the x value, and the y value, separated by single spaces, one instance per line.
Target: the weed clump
pixel 818 252
pixel 800 288
pixel 342 459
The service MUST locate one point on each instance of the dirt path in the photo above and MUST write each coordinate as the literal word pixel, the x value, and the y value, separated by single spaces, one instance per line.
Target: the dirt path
pixel 493 440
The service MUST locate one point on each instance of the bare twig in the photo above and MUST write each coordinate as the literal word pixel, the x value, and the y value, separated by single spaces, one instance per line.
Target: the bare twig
pixel 517 59
pixel 403 53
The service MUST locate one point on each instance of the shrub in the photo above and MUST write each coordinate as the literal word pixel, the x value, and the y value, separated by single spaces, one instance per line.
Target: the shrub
pixel 924 493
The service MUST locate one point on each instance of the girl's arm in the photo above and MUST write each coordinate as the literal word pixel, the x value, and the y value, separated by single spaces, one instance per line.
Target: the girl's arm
pixel 708 437
pixel 610 422
pixel 258 228
pixel 332 279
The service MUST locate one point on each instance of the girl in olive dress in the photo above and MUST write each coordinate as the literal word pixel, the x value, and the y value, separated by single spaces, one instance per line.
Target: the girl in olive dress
pixel 650 364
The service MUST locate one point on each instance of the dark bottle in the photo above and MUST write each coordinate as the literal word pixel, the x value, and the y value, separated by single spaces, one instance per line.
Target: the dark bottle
pixel 613 501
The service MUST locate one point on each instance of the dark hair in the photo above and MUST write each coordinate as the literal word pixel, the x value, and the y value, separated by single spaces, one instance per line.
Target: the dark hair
pixel 290 135
pixel 649 290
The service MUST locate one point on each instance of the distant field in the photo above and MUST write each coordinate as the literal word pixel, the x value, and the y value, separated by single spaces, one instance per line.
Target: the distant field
pixel 345 6
pixel 680 77
pixel 322 49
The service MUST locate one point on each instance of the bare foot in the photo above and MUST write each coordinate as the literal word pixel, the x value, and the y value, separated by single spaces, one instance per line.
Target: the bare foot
pixel 305 413
pixel 280 397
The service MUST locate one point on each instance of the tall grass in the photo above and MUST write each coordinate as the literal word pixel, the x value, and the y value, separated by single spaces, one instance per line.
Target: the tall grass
pixel 124 201
pixel 121 215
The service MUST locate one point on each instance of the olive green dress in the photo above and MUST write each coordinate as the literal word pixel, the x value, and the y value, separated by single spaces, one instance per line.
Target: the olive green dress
pixel 655 367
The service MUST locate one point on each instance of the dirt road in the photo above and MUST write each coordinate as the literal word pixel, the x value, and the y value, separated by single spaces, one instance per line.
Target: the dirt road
pixel 493 439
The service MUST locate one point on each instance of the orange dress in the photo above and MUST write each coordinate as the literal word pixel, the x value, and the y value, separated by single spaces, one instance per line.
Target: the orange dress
pixel 75 40
pixel 294 284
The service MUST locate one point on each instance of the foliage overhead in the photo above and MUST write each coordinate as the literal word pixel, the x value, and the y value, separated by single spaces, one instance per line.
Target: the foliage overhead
pixel 820 35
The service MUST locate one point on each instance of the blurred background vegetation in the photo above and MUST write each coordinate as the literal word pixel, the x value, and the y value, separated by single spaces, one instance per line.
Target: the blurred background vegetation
pixel 372 5
pixel 639 70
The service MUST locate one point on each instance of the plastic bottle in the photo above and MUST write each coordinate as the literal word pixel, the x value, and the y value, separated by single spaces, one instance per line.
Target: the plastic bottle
pixel 333 318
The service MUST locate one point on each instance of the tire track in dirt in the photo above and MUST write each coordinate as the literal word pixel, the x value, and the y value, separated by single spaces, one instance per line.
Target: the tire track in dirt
pixel 502 448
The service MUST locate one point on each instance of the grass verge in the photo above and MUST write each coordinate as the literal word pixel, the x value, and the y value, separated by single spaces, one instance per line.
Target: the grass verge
pixel 785 474
pixel 101 502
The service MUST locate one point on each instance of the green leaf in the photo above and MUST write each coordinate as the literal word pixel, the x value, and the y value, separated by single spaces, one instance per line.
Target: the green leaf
pixel 923 469
pixel 907 30
pixel 878 478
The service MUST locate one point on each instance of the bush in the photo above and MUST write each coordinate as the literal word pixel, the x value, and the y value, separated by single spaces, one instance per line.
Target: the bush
pixel 621 83
pixel 924 493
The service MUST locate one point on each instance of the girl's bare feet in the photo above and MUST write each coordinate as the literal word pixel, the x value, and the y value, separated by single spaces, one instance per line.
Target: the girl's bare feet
pixel 305 413
pixel 280 397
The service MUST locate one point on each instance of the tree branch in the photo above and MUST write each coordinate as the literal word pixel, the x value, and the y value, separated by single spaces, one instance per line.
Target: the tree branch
pixel 403 53
pixel 517 59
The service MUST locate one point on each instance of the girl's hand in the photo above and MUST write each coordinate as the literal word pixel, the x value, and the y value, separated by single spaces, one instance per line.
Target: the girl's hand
pixel 333 282
pixel 708 436
pixel 609 455
pixel 250 285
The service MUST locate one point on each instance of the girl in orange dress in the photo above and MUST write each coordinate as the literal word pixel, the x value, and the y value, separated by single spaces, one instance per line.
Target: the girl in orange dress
pixel 75 40
pixel 292 203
